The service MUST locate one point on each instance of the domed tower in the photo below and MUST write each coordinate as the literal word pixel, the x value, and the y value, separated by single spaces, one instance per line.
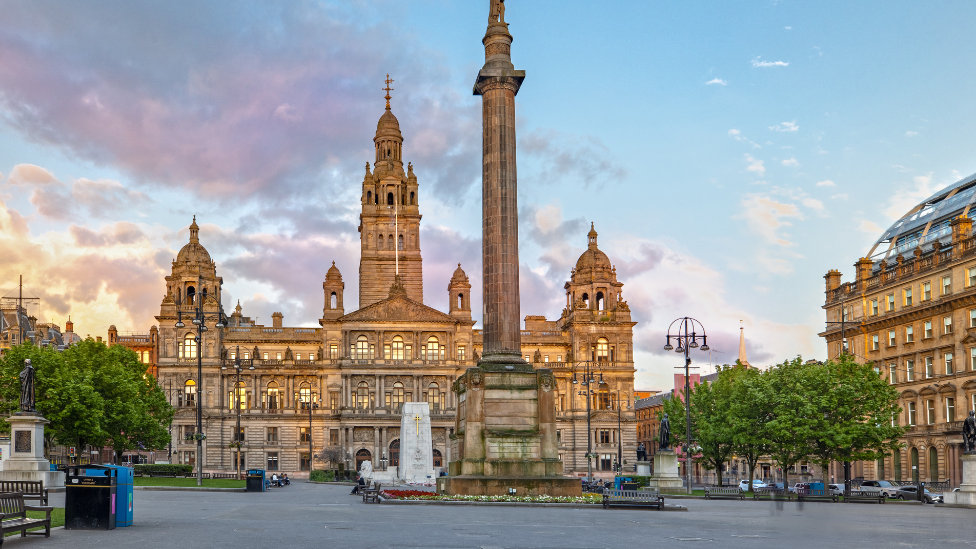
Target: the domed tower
pixel 459 295
pixel 333 287
pixel 389 224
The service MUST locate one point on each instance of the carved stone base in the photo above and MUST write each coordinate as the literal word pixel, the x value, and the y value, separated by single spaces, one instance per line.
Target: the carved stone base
pixel 966 496
pixel 665 471
pixel 643 468
pixel 27 461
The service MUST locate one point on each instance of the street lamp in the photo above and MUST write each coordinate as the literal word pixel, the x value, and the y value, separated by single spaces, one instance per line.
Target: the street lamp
pixel 685 334
pixel 310 404
pixel 238 366
pixel 620 439
pixel 199 320
pixel 586 380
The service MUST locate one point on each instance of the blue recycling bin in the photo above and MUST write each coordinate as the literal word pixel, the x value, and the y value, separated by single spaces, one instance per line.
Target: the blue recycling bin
pixel 255 481
pixel 618 480
pixel 123 490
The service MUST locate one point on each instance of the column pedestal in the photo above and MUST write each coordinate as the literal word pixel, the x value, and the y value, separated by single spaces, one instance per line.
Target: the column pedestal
pixel 643 468
pixel 665 475
pixel 26 461
pixel 966 496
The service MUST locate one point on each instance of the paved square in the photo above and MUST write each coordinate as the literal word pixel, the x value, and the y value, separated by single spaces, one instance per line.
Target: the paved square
pixel 311 515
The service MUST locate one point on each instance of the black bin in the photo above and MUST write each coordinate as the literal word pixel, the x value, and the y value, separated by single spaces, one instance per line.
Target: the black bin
pixel 90 497
pixel 255 480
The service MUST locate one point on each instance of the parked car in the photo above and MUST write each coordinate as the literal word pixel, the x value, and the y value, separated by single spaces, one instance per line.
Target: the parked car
pixel 883 486
pixel 798 486
pixel 774 485
pixel 744 484
pixel 911 493
pixel 836 489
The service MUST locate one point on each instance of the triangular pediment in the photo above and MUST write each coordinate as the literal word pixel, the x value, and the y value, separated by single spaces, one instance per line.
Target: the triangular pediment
pixel 969 339
pixel 398 308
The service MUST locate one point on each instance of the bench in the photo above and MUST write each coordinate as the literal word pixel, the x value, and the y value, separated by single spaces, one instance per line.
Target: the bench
pixel 808 494
pixel 851 496
pixel 724 492
pixel 372 493
pixel 13 516
pixel 633 497
pixel 32 489
pixel 232 476
pixel 772 493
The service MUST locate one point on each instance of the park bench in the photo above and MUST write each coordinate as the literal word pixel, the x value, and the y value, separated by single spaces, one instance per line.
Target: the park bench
pixel 32 489
pixel 724 492
pixel 13 516
pixel 772 493
pixel 633 497
pixel 852 496
pixel 372 493
pixel 808 494
pixel 231 476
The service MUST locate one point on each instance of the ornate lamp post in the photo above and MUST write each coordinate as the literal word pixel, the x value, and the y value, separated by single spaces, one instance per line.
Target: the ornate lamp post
pixel 620 438
pixel 586 380
pixel 310 404
pixel 239 441
pixel 684 333
pixel 199 319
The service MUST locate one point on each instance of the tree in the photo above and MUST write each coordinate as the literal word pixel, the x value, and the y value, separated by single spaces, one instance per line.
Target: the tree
pixel 793 422
pixel 332 454
pixel 750 411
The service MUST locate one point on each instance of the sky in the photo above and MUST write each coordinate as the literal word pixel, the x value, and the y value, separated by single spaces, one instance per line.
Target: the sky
pixel 728 153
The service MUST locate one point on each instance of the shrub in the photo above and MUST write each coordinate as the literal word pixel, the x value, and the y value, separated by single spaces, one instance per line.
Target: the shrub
pixel 319 475
pixel 641 481
pixel 163 468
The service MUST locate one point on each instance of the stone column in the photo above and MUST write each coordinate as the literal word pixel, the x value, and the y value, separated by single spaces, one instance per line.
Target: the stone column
pixel 498 82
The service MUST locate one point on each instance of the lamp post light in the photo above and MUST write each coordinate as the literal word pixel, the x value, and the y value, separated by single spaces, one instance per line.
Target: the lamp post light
pixel 685 334
pixel 620 438
pixel 199 319
pixel 586 380
pixel 238 366
pixel 310 405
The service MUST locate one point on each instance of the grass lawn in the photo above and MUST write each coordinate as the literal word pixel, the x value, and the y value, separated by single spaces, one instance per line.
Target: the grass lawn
pixel 57 519
pixel 188 482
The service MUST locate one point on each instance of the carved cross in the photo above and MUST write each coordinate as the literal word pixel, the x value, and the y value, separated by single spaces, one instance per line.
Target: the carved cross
pixel 388 89
pixel 417 418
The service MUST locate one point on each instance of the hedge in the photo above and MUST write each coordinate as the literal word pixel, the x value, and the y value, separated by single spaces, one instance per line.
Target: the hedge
pixel 163 468
pixel 319 475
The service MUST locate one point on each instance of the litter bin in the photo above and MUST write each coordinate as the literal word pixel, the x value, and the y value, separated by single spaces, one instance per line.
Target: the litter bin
pixel 255 480
pixel 617 481
pixel 89 497
pixel 123 491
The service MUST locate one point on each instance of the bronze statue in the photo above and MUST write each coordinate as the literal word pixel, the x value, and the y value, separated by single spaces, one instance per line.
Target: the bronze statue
pixel 969 433
pixel 27 387
pixel 497 13
pixel 641 452
pixel 665 433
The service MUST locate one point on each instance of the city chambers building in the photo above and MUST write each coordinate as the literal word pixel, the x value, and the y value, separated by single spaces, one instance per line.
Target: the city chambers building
pixel 911 311
pixel 342 384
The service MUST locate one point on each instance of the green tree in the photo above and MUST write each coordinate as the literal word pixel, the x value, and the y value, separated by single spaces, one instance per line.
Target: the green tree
pixel 750 411
pixel 793 423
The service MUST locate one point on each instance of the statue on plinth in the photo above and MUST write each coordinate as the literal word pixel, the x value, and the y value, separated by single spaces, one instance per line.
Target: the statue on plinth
pixel 497 13
pixel 969 433
pixel 665 433
pixel 641 452
pixel 27 403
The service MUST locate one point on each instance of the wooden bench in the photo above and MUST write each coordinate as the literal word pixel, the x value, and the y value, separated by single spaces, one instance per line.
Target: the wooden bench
pixel 724 492
pixel 32 489
pixel 372 493
pixel 13 516
pixel 772 493
pixel 633 497
pixel 851 496
pixel 232 476
pixel 807 494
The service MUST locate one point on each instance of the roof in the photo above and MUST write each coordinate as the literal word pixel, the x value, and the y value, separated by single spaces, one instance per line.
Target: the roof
pixel 398 308
pixel 650 402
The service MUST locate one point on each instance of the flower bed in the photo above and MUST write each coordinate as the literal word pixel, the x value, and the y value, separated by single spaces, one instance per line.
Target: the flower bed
pixel 430 496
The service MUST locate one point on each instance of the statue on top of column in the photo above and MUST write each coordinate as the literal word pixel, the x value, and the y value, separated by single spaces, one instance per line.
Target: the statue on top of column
pixel 497 13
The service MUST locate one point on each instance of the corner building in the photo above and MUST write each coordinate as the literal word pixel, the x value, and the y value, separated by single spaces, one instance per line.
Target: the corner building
pixel 358 368
pixel 911 311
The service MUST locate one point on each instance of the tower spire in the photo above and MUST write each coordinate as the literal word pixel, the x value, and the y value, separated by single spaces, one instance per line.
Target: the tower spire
pixel 742 346
pixel 388 90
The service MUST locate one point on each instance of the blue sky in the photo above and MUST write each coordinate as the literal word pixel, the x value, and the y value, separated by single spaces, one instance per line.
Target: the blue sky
pixel 728 153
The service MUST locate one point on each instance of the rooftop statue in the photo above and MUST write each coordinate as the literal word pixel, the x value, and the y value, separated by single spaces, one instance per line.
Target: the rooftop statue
pixel 497 13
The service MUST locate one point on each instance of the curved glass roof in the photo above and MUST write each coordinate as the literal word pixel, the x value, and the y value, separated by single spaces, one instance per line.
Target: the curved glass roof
pixel 928 221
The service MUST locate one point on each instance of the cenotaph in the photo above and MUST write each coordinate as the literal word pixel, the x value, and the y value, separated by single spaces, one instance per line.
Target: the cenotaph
pixel 416 445
pixel 27 461
pixel 505 428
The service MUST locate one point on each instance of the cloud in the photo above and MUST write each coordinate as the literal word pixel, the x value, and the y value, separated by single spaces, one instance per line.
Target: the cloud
pixel 785 127
pixel 765 217
pixel 737 135
pixel 791 163
pixel 565 158
pixel 117 233
pixel 758 63
pixel 755 166
pixel 910 134
pixel 718 81
pixel 97 199
pixel 841 196
pixel 814 204
pixel 907 197
pixel 869 227
pixel 29 174
pixel 788 28
pixel 825 183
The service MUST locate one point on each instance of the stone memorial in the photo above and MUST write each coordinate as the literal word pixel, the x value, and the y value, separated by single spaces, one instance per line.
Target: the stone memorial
pixel 966 496
pixel 27 461
pixel 416 445
pixel 665 471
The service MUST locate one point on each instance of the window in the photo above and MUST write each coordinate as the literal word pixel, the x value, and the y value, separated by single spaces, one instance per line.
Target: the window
pixel 605 436
pixel 274 396
pixel 304 435
pixel 559 358
pixel 305 461
pixel 189 347
pixel 545 358
pixel 433 349
pixel 272 434
pixel 844 314
pixel 971 275
pixel 947 324
pixel 603 397
pixel 334 401
pixel 891 338
pixel 909 370
pixel 908 297
pixel 890 306
pixel 927 291
pixel 272 461
pixel 928 329
pixel 950 410
pixel 333 351
pixel 909 334
pixel 246 355
pixel 874 307
pixel 361 349
pixel 239 435
pixel 277 356
pixel 240 459
pixel 911 414
pixel 602 349
pixel 606 462
pixel 396 401
pixel 435 398
pixel 972 358
pixel 930 411
pixel 304 397
pixel 948 364
pixel 333 437
pixel 233 355
pixel 265 356
pixel 362 396
pixel 190 392
pixel 946 285
pixel 462 352
pixel 400 242
pixel 892 374
pixel 396 349
pixel 874 343
pixel 929 370
pixel 238 397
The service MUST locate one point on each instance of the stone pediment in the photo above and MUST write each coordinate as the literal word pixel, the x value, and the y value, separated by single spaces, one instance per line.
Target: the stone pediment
pixel 398 308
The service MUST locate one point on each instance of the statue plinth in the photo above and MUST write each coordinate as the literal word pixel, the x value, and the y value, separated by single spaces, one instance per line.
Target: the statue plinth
pixel 665 471
pixel 27 461
pixel 643 468
pixel 966 496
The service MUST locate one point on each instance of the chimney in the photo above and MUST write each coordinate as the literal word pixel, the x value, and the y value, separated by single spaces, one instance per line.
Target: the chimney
pixel 962 227
pixel 276 319
pixel 833 279
pixel 864 268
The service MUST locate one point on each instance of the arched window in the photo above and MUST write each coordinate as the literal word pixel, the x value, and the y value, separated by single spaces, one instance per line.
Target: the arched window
pixel 602 350
pixel 881 469
pixel 400 243
pixel 361 456
pixel 433 349
pixel 362 395
pixel 191 293
pixel 369 197
pixel 460 301
pixel 586 300
pixel 390 242
pixel 395 453
pixel 274 396
pixel 411 198
pixel 397 350
pixel 376 199
pixel 362 348
pixel 389 199
pixel 189 347
pixel 379 243
pixel 190 392
pixel 933 464
pixel 396 397
pixel 603 397
pixel 333 301
pixel 304 396
pixel 896 459
pixel 438 460
pixel 600 305
pixel 238 396
pixel 435 398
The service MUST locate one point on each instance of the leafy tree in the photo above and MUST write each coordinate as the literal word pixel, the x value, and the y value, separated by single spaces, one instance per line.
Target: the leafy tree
pixel 750 411
pixel 793 422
